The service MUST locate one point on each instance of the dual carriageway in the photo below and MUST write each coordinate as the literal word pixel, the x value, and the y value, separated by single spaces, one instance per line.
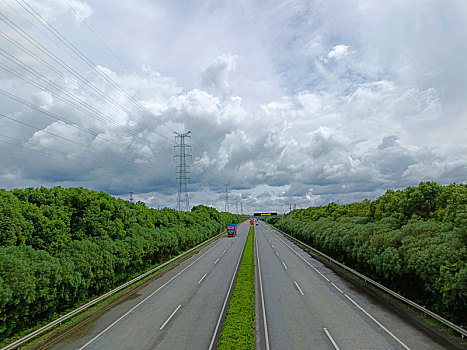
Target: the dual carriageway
pixel 300 304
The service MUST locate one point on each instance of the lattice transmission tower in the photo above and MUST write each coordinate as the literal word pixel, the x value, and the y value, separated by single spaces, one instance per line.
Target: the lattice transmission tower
pixel 182 170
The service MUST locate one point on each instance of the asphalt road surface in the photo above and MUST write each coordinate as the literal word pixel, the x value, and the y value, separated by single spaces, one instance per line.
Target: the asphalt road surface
pixel 302 304
pixel 180 310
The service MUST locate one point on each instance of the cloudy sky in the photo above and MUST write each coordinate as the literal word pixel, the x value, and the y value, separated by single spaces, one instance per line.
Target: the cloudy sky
pixel 289 102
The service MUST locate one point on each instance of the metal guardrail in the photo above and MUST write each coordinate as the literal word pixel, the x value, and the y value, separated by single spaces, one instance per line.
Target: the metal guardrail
pixel 102 297
pixel 437 317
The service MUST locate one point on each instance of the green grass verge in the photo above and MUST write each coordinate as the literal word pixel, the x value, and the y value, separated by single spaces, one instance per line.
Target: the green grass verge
pixel 238 331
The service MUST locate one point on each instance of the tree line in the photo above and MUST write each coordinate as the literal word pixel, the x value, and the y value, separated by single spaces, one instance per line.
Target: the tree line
pixel 60 247
pixel 413 241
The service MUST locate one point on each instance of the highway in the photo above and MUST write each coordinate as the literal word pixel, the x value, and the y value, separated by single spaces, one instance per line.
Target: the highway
pixel 179 310
pixel 302 304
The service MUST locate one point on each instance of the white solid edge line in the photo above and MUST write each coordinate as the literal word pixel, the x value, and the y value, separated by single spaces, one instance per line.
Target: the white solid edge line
pixel 102 297
pixel 142 301
pixel 266 335
pixel 331 339
pixel 226 297
pixel 362 309
pixel 170 317
pixel 202 278
pixel 340 290
pixel 298 287
pixel 377 322
pixel 285 267
pixel 215 262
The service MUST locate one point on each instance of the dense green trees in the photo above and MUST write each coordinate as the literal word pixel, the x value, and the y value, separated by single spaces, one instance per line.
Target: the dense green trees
pixel 414 241
pixel 60 247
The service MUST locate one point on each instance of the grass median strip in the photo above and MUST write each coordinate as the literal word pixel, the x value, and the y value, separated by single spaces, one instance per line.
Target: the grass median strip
pixel 238 331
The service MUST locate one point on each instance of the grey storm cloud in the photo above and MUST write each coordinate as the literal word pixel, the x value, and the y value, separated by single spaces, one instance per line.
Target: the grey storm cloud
pixel 302 104
pixel 216 76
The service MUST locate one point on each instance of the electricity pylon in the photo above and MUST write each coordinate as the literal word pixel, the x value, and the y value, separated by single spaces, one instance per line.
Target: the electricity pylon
pixel 182 171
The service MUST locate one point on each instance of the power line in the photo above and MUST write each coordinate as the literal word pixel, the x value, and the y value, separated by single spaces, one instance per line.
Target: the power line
pixel 42 130
pixel 97 164
pixel 65 139
pixel 84 84
pixel 79 106
pixel 49 165
pixel 88 62
pixel 64 155
pixel 109 174
pixel 77 103
pixel 56 117
pixel 52 30
pixel 112 52
pixel 97 36
pixel 200 176
pixel 101 96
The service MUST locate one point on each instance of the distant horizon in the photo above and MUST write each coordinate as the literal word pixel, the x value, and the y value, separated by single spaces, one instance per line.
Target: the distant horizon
pixel 249 213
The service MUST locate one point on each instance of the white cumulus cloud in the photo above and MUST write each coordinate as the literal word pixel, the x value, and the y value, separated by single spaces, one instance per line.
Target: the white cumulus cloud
pixel 338 51
pixel 289 102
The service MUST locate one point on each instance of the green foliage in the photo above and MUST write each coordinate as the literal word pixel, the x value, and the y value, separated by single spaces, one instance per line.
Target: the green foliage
pixel 60 247
pixel 427 201
pixel 238 331
pixel 414 241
